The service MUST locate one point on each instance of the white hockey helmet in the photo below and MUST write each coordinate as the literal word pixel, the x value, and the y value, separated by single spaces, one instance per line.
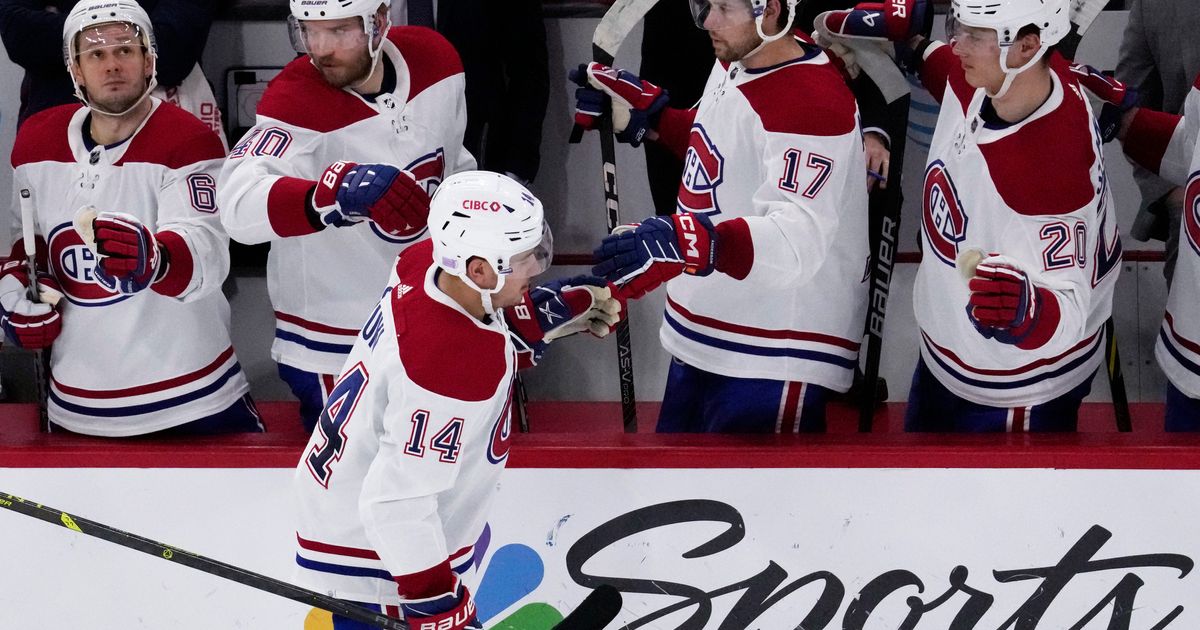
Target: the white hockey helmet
pixel 81 24
pixel 734 12
pixel 487 215
pixel 1007 18
pixel 305 10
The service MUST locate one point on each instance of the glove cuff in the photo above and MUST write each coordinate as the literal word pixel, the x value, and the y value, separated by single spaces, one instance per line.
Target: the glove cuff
pixel 734 248
pixel 176 264
pixel 1040 328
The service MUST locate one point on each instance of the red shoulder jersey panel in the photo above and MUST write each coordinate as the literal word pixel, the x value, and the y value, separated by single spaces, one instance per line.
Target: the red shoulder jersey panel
pixel 802 98
pixel 429 56
pixel 299 96
pixel 43 137
pixel 1030 185
pixel 441 349
pixel 174 138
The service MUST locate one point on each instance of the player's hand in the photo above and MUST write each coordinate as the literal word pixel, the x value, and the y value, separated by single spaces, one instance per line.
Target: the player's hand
pixel 892 20
pixel 348 193
pixel 636 104
pixel 562 308
pixel 1117 99
pixel 128 256
pixel 1006 306
pixel 31 325
pixel 451 611
pixel 643 256
pixel 878 159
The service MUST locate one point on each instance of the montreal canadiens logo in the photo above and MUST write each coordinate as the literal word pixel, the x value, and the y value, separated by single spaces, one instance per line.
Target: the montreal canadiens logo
pixel 703 171
pixel 75 265
pixel 1191 215
pixel 429 170
pixel 498 448
pixel 944 222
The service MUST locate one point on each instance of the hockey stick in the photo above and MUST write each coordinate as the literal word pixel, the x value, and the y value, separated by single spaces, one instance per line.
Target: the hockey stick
pixel 40 364
pixel 620 18
pixel 882 232
pixel 200 563
pixel 1116 378
pixel 597 609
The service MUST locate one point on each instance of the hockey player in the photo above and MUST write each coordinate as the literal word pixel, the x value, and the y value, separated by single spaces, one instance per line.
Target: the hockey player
pixel 122 189
pixel 349 141
pixel 1019 238
pixel 764 261
pixel 1165 144
pixel 395 485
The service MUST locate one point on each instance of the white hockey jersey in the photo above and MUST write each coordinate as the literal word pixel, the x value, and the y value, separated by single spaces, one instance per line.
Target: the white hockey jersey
pixel 781 149
pixel 1166 144
pixel 1036 192
pixel 128 365
pixel 396 482
pixel 324 284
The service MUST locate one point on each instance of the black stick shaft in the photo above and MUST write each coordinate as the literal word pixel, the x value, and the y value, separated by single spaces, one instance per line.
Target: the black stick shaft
pixel 1116 379
pixel 198 562
pixel 608 155
pixel 884 232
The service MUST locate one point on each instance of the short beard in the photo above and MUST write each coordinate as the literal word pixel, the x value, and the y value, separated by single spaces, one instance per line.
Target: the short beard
pixel 351 75
pixel 737 53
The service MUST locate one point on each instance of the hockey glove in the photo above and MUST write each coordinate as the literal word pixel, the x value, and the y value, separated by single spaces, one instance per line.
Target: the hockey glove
pixel 31 325
pixel 451 611
pixel 643 256
pixel 348 193
pixel 893 20
pixel 128 257
pixel 562 308
pixel 636 104
pixel 1006 306
pixel 1116 98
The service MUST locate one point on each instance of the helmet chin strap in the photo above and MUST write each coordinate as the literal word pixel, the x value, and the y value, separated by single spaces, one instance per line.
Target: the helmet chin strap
pixel 485 295
pixel 375 51
pixel 767 39
pixel 1010 74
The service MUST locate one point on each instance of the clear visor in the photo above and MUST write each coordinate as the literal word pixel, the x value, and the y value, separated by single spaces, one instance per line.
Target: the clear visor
pixel 111 35
pixel 714 15
pixel 533 262
pixel 970 38
pixel 325 36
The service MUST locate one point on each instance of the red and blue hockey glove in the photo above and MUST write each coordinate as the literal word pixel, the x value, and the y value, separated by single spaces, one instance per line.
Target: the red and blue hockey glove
pixel 128 256
pixel 451 611
pixel 892 20
pixel 31 325
pixel 636 104
pixel 642 256
pixel 562 308
pixel 348 193
pixel 1116 98
pixel 1006 306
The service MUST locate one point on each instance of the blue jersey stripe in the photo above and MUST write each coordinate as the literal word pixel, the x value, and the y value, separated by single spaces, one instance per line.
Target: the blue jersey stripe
pixel 763 351
pixel 340 569
pixel 134 410
pixel 320 346
pixel 1015 384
